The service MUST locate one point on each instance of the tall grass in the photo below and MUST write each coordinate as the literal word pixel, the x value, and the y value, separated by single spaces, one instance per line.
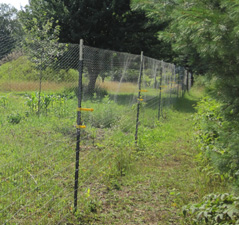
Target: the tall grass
pixel 118 87
pixel 26 86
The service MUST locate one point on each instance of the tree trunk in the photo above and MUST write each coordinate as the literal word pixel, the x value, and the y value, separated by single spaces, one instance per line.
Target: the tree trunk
pixel 91 85
pixel 93 73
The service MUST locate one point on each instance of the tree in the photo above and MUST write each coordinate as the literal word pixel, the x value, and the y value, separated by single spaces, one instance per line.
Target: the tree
pixel 205 35
pixel 9 27
pixel 108 24
pixel 200 32
pixel 41 45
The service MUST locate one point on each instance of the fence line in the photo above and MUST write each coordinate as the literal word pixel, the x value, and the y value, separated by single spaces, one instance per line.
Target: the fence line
pixel 117 96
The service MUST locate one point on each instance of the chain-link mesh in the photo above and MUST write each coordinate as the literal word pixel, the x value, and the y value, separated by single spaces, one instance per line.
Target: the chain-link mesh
pixel 38 101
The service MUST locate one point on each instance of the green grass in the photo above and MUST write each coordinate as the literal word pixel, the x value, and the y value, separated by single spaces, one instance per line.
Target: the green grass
pixel 37 152
pixel 120 183
pixel 162 178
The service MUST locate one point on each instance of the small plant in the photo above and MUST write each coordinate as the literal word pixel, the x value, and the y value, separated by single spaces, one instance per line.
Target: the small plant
pixel 46 100
pixel 32 102
pixel 14 118
pixel 89 207
pixel 60 100
pixel 106 115
pixel 3 101
pixel 214 209
pixel 92 134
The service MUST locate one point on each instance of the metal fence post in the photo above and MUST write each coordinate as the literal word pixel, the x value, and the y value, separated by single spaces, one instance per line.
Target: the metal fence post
pixel 174 84
pixel 171 88
pixel 177 78
pixel 160 93
pixel 78 124
pixel 40 89
pixel 139 97
pixel 187 81
pixel 182 82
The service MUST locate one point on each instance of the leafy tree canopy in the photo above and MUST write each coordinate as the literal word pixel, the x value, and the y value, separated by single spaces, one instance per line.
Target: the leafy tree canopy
pixel 205 35
pixel 9 29
pixel 109 24
pixel 7 19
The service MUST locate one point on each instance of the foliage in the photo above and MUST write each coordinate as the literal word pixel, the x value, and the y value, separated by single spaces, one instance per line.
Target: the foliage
pixel 3 101
pixel 22 69
pixel 49 102
pixel 104 24
pixel 160 15
pixel 14 118
pixel 42 44
pixel 9 27
pixel 217 136
pixel 89 207
pixel 200 33
pixel 132 76
pixel 214 209
pixel 117 182
pixel 99 92
pixel 107 114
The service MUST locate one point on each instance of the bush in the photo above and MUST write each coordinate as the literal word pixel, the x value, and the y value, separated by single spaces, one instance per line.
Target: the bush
pixel 14 118
pixel 214 209
pixel 106 115
pixel 200 81
pixel 217 136
pixel 131 75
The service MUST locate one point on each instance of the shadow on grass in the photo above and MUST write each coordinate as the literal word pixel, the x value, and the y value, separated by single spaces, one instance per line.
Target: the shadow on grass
pixel 123 99
pixel 185 104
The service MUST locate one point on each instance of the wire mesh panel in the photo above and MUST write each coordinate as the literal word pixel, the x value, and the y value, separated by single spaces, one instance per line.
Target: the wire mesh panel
pixel 37 107
pixel 39 94
pixel 110 89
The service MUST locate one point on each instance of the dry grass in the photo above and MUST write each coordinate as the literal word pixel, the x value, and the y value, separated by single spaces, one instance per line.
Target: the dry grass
pixel 114 86
pixel 110 86
pixel 33 86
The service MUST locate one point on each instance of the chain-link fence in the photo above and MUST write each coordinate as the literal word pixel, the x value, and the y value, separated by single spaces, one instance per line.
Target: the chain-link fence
pixel 49 159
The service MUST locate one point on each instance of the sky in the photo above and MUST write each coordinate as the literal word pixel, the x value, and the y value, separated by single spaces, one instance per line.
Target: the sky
pixel 16 3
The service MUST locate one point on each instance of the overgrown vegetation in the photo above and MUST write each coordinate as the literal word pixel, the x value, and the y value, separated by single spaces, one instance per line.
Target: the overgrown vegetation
pixel 120 183
pixel 47 137
pixel 204 37
pixel 218 136
pixel 200 35
pixel 215 209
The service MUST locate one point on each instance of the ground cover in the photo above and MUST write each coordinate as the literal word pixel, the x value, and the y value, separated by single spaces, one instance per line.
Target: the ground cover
pixel 38 150
pixel 120 183
pixel 163 177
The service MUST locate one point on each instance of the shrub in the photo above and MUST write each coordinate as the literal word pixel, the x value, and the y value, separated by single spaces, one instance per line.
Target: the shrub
pixel 106 115
pixel 214 209
pixel 14 118
pixel 217 136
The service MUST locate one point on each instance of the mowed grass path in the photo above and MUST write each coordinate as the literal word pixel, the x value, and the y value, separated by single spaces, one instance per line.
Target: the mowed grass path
pixel 163 178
